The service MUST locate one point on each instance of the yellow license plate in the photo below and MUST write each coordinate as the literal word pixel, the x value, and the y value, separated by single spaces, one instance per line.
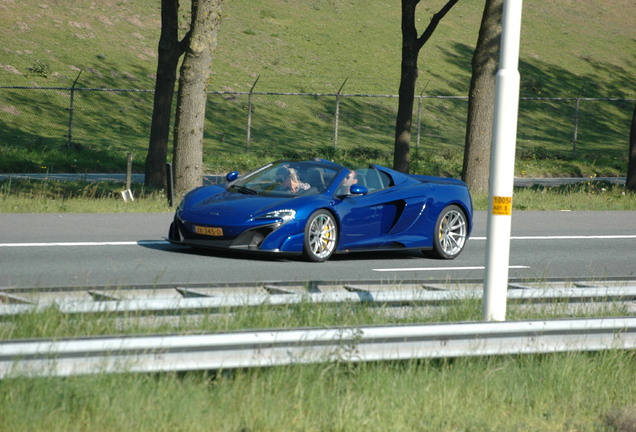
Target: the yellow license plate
pixel 209 231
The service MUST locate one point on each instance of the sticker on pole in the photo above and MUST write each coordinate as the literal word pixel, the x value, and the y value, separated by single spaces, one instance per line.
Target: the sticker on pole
pixel 501 206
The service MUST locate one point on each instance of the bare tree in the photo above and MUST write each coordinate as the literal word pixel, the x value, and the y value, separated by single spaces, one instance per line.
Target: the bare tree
pixel 411 46
pixel 170 50
pixel 192 94
pixel 481 99
pixel 630 184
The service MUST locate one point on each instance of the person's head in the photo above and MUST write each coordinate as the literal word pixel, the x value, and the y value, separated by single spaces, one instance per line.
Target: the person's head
pixel 350 179
pixel 287 178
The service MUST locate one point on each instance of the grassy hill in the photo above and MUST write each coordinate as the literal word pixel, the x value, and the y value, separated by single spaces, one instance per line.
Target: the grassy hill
pixel 569 48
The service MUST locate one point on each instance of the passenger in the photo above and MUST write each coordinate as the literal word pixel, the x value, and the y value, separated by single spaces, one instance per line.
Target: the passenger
pixel 287 179
pixel 348 181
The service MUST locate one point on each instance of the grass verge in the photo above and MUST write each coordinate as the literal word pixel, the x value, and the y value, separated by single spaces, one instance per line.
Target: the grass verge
pixel 50 196
pixel 557 392
pixel 572 391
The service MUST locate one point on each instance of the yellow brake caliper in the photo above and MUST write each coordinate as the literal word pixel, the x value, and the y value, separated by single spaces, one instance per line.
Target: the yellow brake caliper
pixel 325 236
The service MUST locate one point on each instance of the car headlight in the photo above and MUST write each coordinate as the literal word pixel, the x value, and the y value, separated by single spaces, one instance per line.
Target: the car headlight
pixel 181 205
pixel 286 215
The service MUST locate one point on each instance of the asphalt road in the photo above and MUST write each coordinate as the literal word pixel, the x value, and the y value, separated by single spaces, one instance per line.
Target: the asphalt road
pixel 55 250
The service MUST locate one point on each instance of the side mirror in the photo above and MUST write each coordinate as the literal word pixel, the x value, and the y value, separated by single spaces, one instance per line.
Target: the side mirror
pixel 358 189
pixel 230 177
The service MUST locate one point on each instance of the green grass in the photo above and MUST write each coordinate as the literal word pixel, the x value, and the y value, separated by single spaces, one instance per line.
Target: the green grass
pixel 315 45
pixel 51 196
pixel 560 392
pixel 589 196
pixel 582 49
pixel 569 391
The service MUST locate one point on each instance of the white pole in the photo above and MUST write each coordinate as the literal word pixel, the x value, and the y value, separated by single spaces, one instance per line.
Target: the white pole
pixel 502 165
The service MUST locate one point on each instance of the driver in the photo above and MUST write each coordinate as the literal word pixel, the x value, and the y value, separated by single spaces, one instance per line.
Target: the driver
pixel 287 179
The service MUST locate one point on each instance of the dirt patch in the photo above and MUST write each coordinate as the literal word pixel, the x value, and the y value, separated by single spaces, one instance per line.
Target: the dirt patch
pixel 79 25
pixel 11 69
pixel 105 20
pixel 84 35
pixel 622 419
pixel 134 20
pixel 22 27
pixel 9 109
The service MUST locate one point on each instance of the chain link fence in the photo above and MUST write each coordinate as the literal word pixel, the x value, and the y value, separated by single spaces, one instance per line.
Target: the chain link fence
pixel 108 123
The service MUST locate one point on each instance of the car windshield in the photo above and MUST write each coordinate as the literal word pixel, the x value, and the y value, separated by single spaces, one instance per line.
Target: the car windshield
pixel 287 179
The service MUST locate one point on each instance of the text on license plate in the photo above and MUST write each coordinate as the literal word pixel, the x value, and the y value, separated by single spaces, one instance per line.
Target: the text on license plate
pixel 209 231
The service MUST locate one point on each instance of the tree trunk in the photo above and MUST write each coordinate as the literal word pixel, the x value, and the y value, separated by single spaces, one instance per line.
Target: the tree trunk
pixel 192 95
pixel 630 184
pixel 411 46
pixel 481 99
pixel 169 54
pixel 408 79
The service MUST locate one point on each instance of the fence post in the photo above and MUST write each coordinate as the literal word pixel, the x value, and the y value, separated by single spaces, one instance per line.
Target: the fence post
pixel 337 117
pixel 249 116
pixel 419 116
pixel 70 112
pixel 576 120
pixel 576 125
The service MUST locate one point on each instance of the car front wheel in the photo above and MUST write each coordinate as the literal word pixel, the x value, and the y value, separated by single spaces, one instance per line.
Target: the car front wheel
pixel 449 237
pixel 321 236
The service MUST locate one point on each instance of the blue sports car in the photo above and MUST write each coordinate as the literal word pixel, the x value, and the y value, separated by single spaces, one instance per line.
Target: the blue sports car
pixel 317 208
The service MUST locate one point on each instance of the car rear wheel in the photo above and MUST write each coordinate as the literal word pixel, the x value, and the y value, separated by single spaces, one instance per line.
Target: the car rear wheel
pixel 450 233
pixel 321 236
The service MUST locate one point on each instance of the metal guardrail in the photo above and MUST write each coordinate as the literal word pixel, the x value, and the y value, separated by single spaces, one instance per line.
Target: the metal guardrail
pixel 194 301
pixel 265 348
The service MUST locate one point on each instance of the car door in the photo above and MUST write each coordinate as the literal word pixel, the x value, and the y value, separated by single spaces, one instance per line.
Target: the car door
pixel 361 220
pixel 366 219
pixel 385 217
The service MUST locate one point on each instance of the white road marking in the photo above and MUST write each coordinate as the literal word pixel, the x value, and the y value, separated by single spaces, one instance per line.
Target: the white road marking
pixel 113 243
pixel 441 268
pixel 575 237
